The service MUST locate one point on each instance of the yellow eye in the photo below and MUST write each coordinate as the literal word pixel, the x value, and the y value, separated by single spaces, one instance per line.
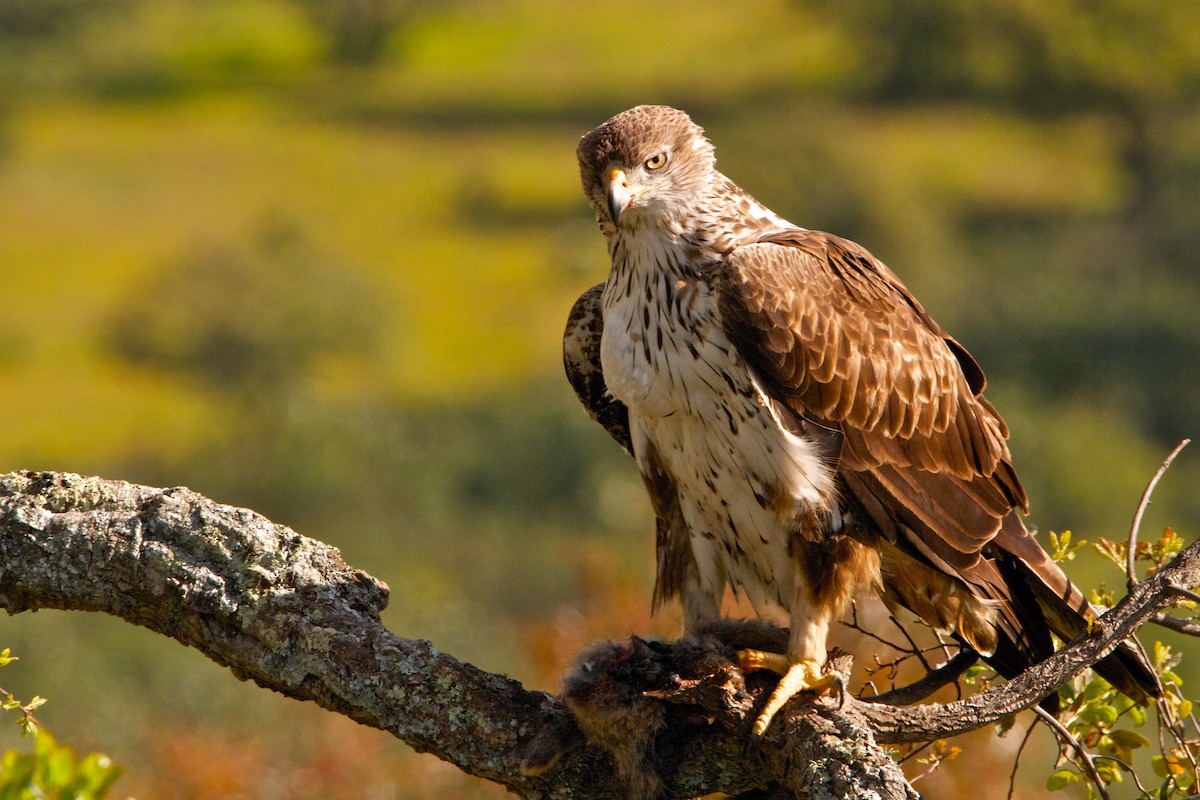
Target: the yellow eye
pixel 656 162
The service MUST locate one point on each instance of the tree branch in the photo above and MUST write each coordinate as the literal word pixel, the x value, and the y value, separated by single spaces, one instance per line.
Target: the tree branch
pixel 275 607
pixel 287 612
pixel 933 680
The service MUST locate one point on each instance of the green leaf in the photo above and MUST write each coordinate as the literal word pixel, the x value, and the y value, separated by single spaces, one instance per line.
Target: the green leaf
pixel 1108 771
pixel 1061 779
pixel 972 673
pixel 1113 551
pixel 53 771
pixel 1167 546
pixel 58 768
pixel 98 773
pixel 1102 596
pixel 1098 713
pixel 1130 740
pixel 1173 766
pixel 1062 548
pixel 1096 689
pixel 1162 655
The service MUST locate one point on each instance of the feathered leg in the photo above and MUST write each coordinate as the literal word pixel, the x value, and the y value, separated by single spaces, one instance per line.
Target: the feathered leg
pixel 801 667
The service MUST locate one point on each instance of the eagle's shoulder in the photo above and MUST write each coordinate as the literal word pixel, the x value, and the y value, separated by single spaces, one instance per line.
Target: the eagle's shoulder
pixel 838 338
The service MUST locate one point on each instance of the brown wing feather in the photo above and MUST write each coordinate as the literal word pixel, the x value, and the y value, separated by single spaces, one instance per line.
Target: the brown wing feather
pixel 844 343
pixel 841 342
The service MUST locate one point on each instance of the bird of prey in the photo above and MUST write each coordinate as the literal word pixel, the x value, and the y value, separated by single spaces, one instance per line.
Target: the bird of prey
pixel 804 428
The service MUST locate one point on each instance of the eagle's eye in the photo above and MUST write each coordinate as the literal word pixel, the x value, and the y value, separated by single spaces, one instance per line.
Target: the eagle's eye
pixel 656 161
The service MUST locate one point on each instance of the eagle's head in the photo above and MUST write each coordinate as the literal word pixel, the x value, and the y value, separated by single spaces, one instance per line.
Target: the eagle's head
pixel 647 165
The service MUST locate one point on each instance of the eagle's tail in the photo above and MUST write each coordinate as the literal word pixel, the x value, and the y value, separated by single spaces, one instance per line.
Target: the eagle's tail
pixel 1067 614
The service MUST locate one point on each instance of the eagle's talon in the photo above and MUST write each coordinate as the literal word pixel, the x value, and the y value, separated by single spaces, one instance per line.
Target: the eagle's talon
pixel 752 660
pixel 801 676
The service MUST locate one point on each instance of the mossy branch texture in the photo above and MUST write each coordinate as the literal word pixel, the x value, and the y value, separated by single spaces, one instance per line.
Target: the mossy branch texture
pixel 287 612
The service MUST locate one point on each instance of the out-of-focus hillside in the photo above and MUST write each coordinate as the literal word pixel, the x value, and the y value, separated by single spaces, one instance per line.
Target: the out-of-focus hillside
pixel 314 258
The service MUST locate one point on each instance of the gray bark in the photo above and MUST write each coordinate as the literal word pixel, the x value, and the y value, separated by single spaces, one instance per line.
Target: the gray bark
pixel 288 613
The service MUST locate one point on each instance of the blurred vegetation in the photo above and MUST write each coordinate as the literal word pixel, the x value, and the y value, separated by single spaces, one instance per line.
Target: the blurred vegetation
pixel 51 770
pixel 48 769
pixel 314 258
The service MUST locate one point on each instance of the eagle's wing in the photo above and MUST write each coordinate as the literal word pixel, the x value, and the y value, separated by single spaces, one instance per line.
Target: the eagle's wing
pixel 836 338
pixel 841 342
pixel 581 359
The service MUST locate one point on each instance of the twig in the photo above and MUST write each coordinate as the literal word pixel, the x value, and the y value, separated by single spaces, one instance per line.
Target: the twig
pixel 924 746
pixel 916 648
pixel 1131 545
pixel 1012 776
pixel 1186 594
pixel 1085 758
pixel 892 665
pixel 1160 705
pixel 1188 627
pixel 1180 733
pixel 1175 727
pixel 1125 766
pixel 935 761
pixel 933 680
pixel 854 625
pixel 945 645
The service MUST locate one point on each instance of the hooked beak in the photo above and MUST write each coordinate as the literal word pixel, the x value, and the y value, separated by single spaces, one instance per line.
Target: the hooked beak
pixel 617 191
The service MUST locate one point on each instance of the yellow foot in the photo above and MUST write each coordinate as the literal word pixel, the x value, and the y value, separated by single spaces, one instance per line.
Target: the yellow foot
pixel 800 676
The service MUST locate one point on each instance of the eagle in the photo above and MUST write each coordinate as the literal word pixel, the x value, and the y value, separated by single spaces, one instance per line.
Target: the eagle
pixel 805 430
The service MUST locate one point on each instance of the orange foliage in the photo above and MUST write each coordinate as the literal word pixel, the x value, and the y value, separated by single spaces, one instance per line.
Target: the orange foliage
pixel 316 756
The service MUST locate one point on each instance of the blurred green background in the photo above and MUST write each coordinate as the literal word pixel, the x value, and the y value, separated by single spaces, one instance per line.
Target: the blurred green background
pixel 314 258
